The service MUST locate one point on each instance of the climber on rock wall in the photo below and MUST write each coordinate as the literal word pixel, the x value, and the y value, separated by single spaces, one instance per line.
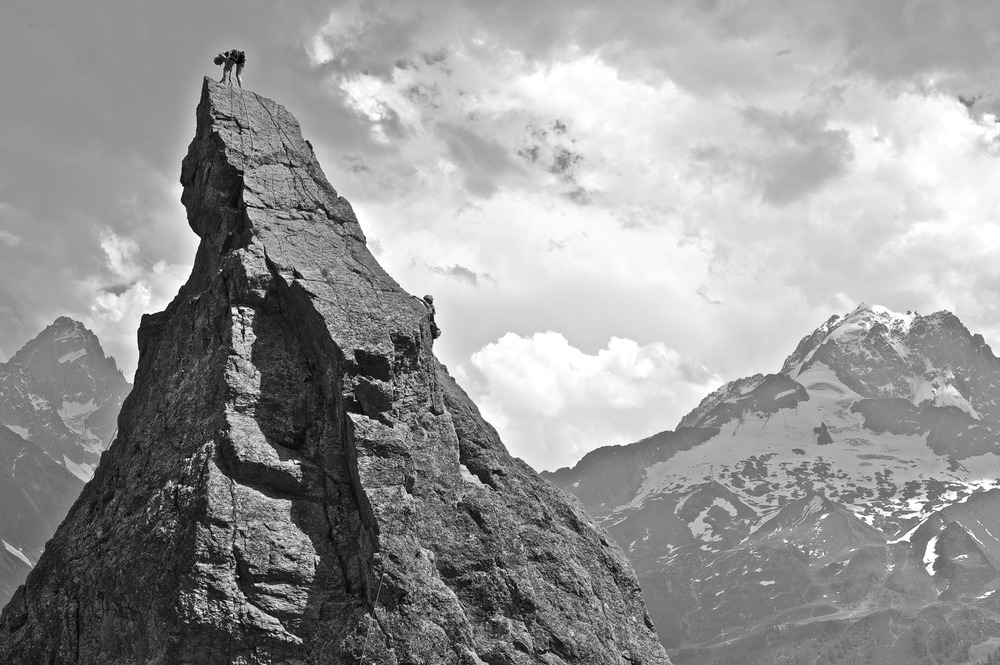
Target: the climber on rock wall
pixel 429 303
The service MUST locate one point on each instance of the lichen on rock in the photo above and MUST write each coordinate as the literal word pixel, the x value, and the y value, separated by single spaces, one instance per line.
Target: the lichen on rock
pixel 297 479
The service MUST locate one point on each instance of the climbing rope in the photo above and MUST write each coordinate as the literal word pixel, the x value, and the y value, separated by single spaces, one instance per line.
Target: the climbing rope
pixel 239 123
pixel 368 635
pixel 249 129
pixel 378 590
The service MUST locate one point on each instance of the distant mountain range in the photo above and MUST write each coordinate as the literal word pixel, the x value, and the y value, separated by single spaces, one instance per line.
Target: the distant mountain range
pixel 845 508
pixel 59 402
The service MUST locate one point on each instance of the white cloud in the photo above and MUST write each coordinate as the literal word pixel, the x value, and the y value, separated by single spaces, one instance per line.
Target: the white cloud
pixel 552 402
pixel 121 255
pixel 114 314
pixel 707 175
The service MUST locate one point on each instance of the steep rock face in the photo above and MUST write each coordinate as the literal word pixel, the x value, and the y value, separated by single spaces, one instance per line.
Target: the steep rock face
pixel 63 394
pixel 296 479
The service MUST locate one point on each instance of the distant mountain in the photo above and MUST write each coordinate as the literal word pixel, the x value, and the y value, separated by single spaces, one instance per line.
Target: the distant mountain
pixel 63 394
pixel 850 499
pixel 59 402
pixel 35 495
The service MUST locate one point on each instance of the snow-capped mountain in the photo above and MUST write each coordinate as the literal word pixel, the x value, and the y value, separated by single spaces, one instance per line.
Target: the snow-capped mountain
pixel 861 478
pixel 59 402
pixel 63 394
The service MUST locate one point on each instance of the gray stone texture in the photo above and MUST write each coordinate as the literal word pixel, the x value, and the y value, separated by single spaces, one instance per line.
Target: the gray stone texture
pixel 297 479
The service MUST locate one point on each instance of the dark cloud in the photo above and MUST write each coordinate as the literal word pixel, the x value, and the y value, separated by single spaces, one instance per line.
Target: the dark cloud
pixel 552 148
pixel 799 153
pixel 117 289
pixel 461 274
pixel 721 46
pixel 484 162
pixel 791 156
pixel 703 294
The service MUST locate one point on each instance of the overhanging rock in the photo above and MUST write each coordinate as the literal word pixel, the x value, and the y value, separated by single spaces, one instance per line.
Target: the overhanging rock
pixel 296 478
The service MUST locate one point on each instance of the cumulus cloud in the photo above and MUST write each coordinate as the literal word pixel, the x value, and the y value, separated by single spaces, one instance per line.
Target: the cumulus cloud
pixel 552 402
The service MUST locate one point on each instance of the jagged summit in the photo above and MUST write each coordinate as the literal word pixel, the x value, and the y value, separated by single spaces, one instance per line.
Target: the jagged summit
pixel 876 353
pixel 858 480
pixel 63 393
pixel 63 341
pixel 296 479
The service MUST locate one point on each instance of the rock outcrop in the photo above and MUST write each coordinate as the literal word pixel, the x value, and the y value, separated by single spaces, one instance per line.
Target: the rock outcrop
pixel 296 478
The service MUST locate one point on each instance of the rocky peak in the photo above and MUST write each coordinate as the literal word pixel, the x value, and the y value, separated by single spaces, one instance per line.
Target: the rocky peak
pixel 62 342
pixel 866 330
pixel 923 359
pixel 877 354
pixel 296 478
pixel 63 393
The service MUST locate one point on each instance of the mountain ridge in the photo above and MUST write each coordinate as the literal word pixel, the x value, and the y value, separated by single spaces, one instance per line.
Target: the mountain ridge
pixel 59 397
pixel 890 421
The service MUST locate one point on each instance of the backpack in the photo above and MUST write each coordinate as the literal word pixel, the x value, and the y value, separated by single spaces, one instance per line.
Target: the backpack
pixel 241 58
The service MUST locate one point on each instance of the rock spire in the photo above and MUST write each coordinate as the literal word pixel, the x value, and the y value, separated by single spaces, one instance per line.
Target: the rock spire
pixel 296 478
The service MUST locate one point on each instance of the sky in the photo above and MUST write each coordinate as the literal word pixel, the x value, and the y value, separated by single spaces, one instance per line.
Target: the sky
pixel 617 206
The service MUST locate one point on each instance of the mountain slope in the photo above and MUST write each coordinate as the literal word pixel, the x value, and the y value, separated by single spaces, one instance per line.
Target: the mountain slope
pixel 59 399
pixel 858 479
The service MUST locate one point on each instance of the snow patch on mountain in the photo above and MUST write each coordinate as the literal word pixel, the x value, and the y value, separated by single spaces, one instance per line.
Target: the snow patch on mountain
pixel 17 429
pixel 73 332
pixel 940 393
pixel 931 555
pixel 861 320
pixel 17 552
pixel 37 402
pixel 701 529
pixel 70 410
pixel 82 471
pixel 853 327
pixel 72 355
pixel 759 452
pixel 905 538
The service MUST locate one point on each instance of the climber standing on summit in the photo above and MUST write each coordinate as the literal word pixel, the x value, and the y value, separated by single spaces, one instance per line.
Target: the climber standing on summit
pixel 229 58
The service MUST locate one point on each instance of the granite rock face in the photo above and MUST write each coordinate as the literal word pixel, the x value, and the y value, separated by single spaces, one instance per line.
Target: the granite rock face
pixel 296 479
